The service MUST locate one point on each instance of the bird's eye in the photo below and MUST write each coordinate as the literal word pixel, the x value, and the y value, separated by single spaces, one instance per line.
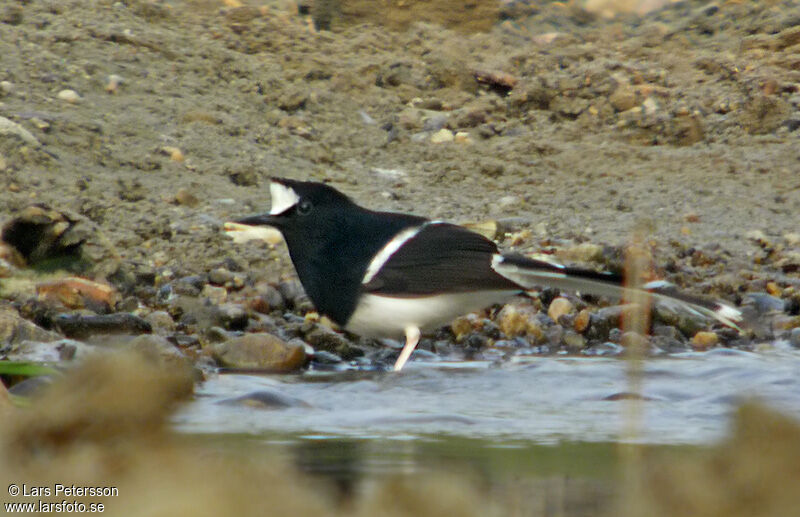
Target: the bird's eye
pixel 304 207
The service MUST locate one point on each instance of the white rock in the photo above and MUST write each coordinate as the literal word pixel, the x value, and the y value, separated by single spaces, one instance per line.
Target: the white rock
pixel 442 136
pixel 70 96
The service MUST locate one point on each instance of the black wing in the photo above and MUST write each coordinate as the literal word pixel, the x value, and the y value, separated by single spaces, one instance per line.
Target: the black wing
pixel 441 258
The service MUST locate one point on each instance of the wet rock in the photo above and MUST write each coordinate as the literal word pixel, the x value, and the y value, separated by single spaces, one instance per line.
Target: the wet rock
pixel 15 329
pixel 634 340
pixel 582 321
pixel 322 338
pixel 559 307
pixel 82 326
pixel 794 337
pixel 573 341
pixel 265 399
pixel 463 325
pixel 325 357
pixel 605 349
pixel 155 346
pixel 261 351
pixel 519 321
pixel 704 340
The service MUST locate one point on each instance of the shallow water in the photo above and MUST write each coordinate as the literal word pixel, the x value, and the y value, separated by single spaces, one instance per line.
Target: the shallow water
pixel 538 400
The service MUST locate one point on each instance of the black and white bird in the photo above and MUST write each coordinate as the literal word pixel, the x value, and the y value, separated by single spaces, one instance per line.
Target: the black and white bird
pixel 386 274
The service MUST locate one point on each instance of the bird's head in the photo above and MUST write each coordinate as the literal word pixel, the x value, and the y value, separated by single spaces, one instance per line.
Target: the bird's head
pixel 298 205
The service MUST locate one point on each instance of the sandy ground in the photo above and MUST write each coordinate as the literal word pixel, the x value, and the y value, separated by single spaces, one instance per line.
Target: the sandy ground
pixel 573 127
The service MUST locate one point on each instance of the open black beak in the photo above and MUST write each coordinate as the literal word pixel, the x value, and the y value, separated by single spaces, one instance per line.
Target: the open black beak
pixel 260 220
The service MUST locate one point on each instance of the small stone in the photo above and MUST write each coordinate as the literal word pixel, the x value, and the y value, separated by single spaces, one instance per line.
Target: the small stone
pixel 462 137
pixel 582 321
pixel 633 339
pixel 322 338
pixel 623 98
pixel 704 340
pixel 70 96
pixel 174 153
pixel 442 136
pixel 461 326
pixel 573 341
pixel 186 198
pixel 559 307
pixel 774 289
pixel 514 321
pixel 231 316
pixel 6 87
pixel 220 276
pixel 217 295
pixel 113 84
pixel 161 322
pixel 263 351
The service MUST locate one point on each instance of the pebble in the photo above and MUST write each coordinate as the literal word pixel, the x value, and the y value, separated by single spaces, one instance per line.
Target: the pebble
pixel 582 321
pixel 322 338
pixel 262 351
pixel 185 198
pixel 704 340
pixel 442 136
pixel 70 96
pixel 633 339
pixel 574 342
pixel 161 322
pixel 559 307
pixel 114 82
pixel 462 137
pixel 217 295
pixel 514 322
pixel 623 98
pixel 6 87
pixel 232 316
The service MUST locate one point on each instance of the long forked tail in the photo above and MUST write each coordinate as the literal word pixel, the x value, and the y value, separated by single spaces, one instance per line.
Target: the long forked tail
pixel 530 273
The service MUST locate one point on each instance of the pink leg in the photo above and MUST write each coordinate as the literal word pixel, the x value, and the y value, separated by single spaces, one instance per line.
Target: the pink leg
pixel 412 338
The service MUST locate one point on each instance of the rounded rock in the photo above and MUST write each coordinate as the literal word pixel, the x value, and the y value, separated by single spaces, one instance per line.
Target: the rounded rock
pixel 260 350
pixel 70 96
pixel 704 340
pixel 442 136
pixel 559 307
